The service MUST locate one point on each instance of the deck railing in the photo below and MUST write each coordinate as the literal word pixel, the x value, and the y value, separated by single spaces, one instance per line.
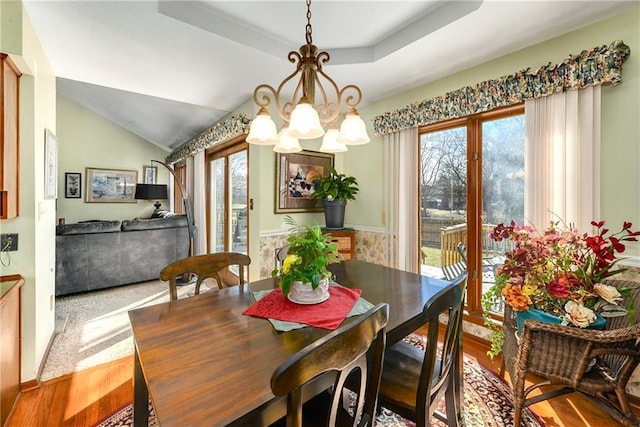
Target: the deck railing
pixel 451 236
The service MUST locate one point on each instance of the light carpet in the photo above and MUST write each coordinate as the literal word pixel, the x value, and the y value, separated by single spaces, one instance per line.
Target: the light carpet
pixel 93 328
pixel 487 403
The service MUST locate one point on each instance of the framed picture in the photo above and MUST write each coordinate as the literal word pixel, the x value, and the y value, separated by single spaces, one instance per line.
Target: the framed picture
pixel 150 174
pixel 297 175
pixel 111 185
pixel 72 185
pixel 50 165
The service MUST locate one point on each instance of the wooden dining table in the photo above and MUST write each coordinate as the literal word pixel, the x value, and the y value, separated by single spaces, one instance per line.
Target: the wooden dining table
pixel 202 362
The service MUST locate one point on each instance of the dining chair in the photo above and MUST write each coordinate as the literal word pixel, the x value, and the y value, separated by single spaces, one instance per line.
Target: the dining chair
pixel 598 364
pixel 281 254
pixel 452 271
pixel 215 266
pixel 346 352
pixel 462 250
pixel 414 381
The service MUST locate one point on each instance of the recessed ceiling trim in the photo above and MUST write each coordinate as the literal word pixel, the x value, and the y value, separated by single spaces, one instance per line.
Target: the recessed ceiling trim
pixel 438 18
pixel 207 18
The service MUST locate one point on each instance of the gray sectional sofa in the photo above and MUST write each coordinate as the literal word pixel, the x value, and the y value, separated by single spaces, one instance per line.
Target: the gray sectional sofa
pixel 101 254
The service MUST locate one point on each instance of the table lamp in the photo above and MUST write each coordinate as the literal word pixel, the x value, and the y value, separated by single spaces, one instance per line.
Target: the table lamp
pixel 155 192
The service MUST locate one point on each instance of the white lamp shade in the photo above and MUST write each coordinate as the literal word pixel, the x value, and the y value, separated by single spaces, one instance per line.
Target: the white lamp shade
pixel 330 142
pixel 263 131
pixel 353 131
pixel 286 143
pixel 305 123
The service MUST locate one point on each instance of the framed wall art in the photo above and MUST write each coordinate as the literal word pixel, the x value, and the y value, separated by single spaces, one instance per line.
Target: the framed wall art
pixel 150 174
pixel 72 185
pixel 110 185
pixel 50 165
pixel 297 175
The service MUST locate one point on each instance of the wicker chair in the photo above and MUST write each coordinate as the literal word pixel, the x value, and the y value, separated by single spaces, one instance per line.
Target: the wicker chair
pixel 562 356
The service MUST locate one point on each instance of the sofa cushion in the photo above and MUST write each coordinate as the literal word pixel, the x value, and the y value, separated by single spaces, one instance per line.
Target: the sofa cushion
pixel 88 227
pixel 154 223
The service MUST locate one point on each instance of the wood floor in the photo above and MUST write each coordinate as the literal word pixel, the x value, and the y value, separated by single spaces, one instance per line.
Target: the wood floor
pixel 88 397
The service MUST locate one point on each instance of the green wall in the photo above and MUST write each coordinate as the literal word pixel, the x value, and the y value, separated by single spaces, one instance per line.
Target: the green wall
pixel 85 139
pixel 35 225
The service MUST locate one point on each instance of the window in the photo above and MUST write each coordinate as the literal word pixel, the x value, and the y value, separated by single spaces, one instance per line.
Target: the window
pixel 471 178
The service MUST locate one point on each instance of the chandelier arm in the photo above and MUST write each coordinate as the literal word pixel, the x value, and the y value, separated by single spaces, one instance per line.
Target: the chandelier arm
pixel 327 111
pixel 264 100
pixel 284 110
pixel 349 100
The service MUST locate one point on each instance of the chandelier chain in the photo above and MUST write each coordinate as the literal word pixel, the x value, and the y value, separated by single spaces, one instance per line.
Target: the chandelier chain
pixel 308 27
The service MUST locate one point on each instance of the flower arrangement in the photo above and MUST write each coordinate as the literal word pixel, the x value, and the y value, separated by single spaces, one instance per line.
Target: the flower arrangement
pixel 309 253
pixel 561 272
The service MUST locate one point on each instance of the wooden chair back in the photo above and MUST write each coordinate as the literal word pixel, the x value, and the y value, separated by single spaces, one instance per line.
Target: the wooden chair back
pixel 452 271
pixel 462 250
pixel 344 351
pixel 281 254
pixel 215 266
pixel 415 381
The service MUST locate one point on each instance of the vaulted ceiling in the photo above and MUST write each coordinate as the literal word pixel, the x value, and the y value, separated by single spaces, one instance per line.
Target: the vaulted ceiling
pixel 167 70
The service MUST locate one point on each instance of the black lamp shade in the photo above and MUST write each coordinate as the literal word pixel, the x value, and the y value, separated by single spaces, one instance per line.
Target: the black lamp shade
pixel 151 192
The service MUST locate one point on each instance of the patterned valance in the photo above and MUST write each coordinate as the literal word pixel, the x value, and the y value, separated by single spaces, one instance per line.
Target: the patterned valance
pixel 220 132
pixel 600 65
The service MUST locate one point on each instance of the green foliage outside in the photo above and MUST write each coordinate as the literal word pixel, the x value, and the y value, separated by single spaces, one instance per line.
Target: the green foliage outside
pixel 431 256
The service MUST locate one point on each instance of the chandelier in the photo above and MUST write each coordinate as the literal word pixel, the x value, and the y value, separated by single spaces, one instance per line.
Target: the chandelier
pixel 315 104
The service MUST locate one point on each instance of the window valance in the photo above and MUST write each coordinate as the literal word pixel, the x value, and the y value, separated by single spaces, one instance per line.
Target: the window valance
pixel 599 65
pixel 220 132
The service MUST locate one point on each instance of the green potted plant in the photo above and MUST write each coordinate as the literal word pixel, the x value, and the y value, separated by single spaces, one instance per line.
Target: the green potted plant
pixel 304 276
pixel 335 190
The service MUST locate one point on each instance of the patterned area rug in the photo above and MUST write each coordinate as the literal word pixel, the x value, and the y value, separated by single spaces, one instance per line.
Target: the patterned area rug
pixel 487 402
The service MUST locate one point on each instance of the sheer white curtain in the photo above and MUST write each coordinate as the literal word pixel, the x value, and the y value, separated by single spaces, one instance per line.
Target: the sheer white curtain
pixel 199 202
pixel 401 199
pixel 562 158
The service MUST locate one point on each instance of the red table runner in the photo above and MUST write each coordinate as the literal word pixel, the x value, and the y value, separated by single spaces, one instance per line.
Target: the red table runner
pixel 326 315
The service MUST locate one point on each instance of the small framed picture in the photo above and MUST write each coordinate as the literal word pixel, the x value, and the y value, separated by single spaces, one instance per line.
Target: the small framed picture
pixel 150 174
pixel 297 175
pixel 73 185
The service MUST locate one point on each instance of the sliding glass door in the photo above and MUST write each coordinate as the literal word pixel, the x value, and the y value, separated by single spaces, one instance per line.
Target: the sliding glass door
pixel 227 187
pixel 471 178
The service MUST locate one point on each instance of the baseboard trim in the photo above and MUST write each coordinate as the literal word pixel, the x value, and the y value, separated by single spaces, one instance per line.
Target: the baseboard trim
pixel 29 385
pixel 35 383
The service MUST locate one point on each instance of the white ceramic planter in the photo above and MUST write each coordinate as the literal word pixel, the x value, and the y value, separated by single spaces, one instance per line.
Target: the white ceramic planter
pixel 303 293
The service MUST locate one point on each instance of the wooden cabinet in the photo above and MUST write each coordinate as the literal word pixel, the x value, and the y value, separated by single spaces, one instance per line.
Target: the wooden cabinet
pixel 345 239
pixel 10 306
pixel 9 94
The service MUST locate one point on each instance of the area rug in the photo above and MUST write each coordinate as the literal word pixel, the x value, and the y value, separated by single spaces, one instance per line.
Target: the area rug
pixel 487 403
pixel 92 328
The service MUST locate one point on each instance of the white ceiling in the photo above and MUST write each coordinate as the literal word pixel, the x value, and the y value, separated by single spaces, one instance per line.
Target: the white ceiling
pixel 166 70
